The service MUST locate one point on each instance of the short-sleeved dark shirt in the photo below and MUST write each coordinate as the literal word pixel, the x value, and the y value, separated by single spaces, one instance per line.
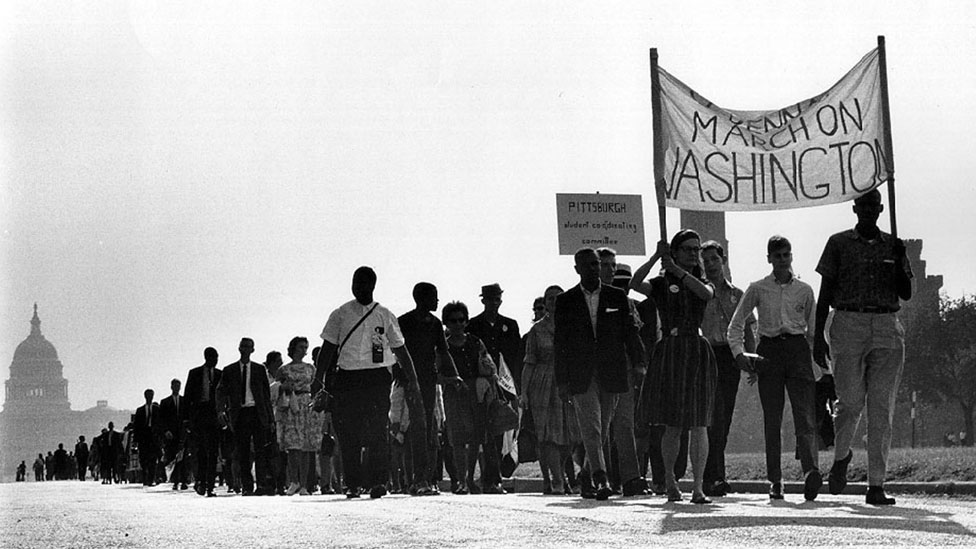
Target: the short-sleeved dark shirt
pixel 423 335
pixel 863 270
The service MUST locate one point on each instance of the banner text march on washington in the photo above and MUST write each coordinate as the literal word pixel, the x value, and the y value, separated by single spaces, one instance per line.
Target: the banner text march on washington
pixel 823 150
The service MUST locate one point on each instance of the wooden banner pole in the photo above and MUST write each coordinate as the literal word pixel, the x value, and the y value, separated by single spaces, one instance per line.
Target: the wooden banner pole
pixel 889 154
pixel 658 146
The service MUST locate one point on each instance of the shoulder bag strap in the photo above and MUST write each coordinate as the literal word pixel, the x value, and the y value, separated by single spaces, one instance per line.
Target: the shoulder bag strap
pixel 345 339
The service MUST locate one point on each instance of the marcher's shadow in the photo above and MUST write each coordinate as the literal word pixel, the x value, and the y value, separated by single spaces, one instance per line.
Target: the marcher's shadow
pixel 576 502
pixel 684 517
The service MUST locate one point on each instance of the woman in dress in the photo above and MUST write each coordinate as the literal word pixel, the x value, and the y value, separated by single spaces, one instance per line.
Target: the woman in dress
pixel 466 405
pixel 679 390
pixel 299 428
pixel 550 416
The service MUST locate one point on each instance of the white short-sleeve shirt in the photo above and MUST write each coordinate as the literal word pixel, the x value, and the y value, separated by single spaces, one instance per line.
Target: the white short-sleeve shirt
pixel 357 353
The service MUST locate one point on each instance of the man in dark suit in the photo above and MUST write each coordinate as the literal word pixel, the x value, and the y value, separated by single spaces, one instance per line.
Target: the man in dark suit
pixel 81 456
pixel 500 335
pixel 244 394
pixel 172 413
pixel 201 400
pixel 595 335
pixel 147 437
pixel 109 451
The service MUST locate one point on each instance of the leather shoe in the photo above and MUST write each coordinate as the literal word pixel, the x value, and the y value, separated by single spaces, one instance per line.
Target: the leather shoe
pixel 587 491
pixel 493 489
pixel 715 489
pixel 603 489
pixel 700 499
pixel 353 493
pixel 776 490
pixel 635 487
pixel 812 484
pixel 876 496
pixel 837 479
pixel 377 491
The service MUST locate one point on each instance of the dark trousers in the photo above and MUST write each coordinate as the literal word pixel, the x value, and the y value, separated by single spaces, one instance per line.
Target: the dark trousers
pixel 82 466
pixel 148 459
pixel 725 393
pixel 206 436
pixel 787 369
pixel 361 416
pixel 247 430
pixel 825 398
pixel 424 437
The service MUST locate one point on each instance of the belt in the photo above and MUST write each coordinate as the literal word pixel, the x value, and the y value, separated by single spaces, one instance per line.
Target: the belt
pixel 869 309
pixel 782 336
pixel 287 392
pixel 683 332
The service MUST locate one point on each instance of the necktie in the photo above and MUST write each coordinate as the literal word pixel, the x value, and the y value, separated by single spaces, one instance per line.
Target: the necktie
pixel 244 378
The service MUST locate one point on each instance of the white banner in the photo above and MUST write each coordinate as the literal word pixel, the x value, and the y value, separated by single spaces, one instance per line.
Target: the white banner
pixel 827 149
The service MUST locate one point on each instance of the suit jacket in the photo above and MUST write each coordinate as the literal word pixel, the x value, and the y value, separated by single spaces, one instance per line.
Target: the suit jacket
pixel 146 433
pixel 111 446
pixel 579 355
pixel 195 410
pixel 171 419
pixel 230 393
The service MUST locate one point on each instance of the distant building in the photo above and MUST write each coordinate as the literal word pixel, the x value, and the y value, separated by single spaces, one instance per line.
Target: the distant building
pixel 37 414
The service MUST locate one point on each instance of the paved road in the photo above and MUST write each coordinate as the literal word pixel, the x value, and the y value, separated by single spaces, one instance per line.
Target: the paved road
pixel 75 514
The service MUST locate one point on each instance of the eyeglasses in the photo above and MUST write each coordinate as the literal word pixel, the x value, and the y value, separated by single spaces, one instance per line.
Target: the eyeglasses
pixel 692 249
pixel 456 320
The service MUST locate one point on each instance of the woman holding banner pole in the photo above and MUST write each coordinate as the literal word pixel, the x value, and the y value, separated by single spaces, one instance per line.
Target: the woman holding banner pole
pixel 679 389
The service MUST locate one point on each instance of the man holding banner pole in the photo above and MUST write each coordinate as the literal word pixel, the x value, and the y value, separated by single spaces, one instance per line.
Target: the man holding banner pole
pixel 865 271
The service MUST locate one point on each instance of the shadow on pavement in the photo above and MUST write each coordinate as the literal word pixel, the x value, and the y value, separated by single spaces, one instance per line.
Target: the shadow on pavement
pixel 686 517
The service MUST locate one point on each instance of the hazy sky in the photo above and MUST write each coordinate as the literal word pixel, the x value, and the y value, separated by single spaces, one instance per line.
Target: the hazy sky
pixel 176 177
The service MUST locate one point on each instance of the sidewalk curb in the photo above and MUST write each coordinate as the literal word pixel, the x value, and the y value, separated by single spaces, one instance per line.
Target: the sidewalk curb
pixel 948 488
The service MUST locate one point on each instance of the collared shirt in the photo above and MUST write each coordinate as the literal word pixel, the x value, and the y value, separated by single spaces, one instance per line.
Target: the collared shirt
pixel 784 309
pixel 863 270
pixel 206 385
pixel 592 303
pixel 357 353
pixel 246 375
pixel 719 311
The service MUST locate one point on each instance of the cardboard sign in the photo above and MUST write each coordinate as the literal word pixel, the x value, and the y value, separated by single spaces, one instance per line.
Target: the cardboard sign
pixel 596 220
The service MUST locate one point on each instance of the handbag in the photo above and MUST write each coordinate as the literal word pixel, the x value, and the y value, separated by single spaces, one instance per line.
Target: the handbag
pixel 502 416
pixel 324 400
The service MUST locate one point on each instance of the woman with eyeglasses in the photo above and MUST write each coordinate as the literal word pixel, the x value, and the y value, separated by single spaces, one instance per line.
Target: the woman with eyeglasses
pixel 551 416
pixel 679 390
pixel 466 406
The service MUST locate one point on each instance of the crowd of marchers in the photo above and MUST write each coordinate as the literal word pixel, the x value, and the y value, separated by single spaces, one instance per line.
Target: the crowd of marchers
pixel 613 394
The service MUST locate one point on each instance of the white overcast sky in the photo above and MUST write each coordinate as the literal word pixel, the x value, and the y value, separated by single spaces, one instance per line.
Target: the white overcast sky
pixel 176 177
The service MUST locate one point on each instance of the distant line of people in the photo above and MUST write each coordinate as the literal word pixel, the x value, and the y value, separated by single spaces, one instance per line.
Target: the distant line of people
pixel 605 384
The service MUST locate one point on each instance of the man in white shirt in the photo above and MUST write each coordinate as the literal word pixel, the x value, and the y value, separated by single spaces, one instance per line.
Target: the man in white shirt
pixel 369 349
pixel 787 311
